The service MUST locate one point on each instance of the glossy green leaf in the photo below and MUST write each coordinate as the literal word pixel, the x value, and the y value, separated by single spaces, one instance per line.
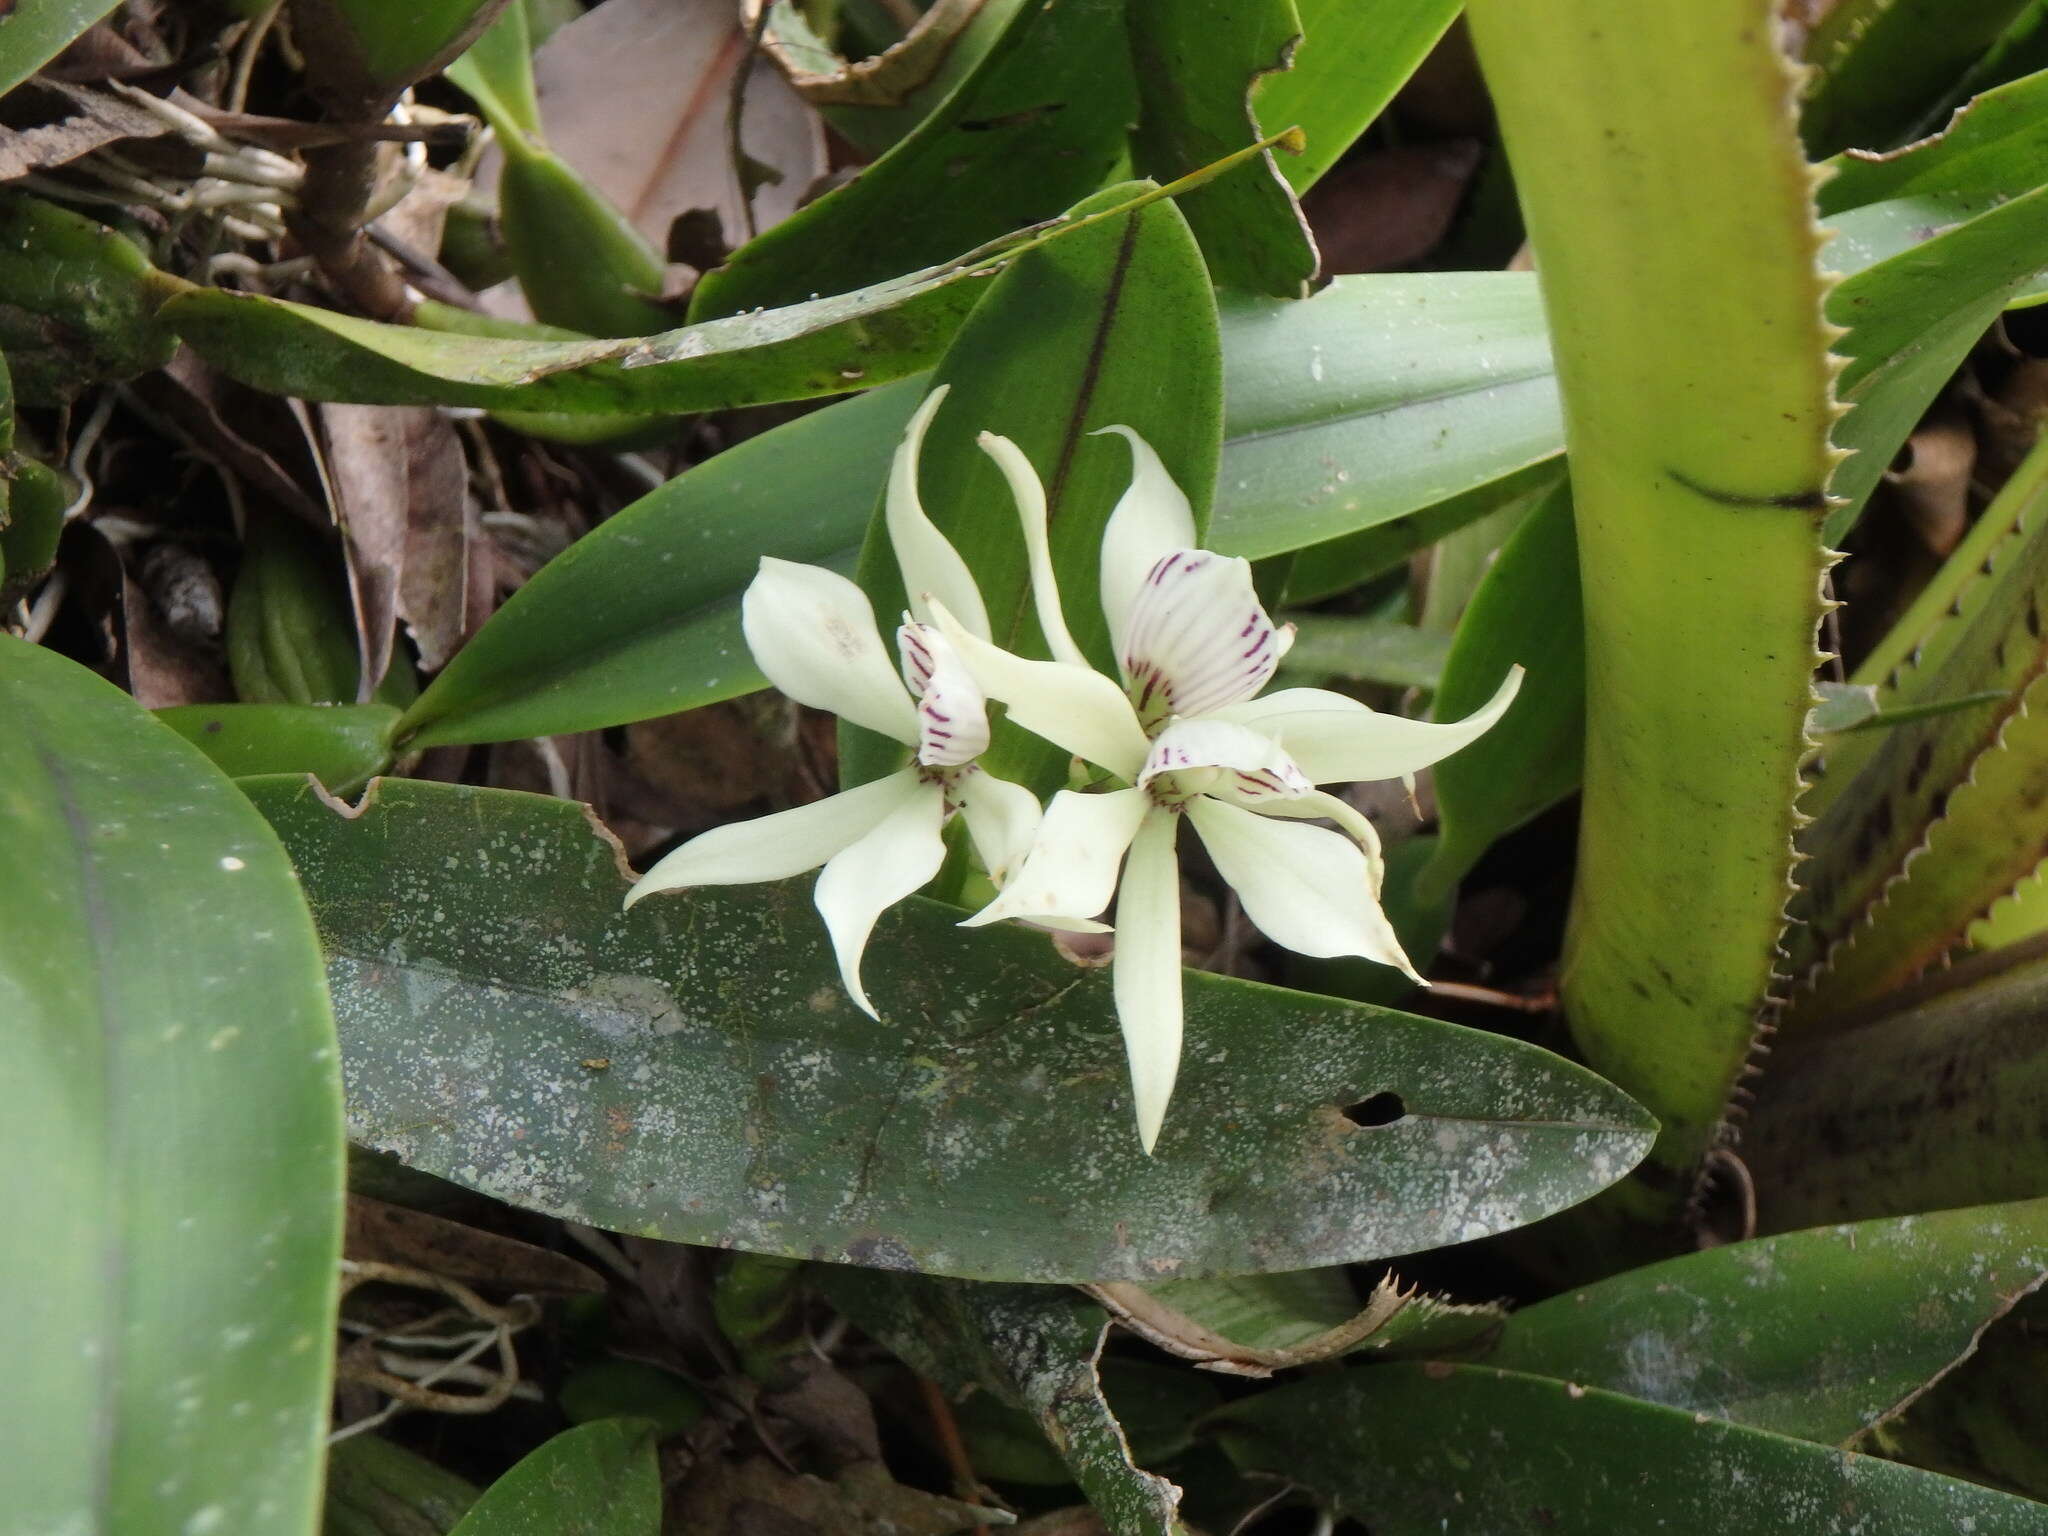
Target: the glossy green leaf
pixel 1037 1350
pixel 32 35
pixel 598 1479
pixel 1416 1450
pixel 497 72
pixel 629 1389
pixel 1986 1420
pixel 1527 612
pixel 1115 326
pixel 290 636
pixel 1354 55
pixel 1941 1100
pixel 693 1070
pixel 579 260
pixel 1880 64
pixel 339 744
pixel 1036 128
pixel 1197 65
pixel 174 1124
pixel 1698 407
pixel 1816 1334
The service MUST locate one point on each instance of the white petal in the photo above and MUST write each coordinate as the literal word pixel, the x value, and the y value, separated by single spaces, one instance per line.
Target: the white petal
pixel 1196 638
pixel 1215 757
pixel 1152 519
pixel 898 855
pixel 926 557
pixel 1337 740
pixel 1145 971
pixel 1304 887
pixel 1071 869
pixel 1316 804
pixel 776 847
pixel 813 632
pixel 952 713
pixel 1002 818
pixel 1029 495
pixel 1072 707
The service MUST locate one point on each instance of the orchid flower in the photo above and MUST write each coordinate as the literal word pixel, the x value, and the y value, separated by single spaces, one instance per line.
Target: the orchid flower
pixel 1182 727
pixel 813 633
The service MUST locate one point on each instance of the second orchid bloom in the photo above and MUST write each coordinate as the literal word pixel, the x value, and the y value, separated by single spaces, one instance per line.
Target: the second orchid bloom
pixel 1179 732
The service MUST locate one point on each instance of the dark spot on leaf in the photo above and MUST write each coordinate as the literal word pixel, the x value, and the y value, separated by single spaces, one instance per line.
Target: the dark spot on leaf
pixel 1380 1109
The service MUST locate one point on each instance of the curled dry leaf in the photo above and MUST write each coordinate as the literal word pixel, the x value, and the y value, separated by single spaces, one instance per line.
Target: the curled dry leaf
pixel 1265 1342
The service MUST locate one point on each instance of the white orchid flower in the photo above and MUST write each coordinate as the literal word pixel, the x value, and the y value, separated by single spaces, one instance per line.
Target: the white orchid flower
pixel 813 633
pixel 1183 729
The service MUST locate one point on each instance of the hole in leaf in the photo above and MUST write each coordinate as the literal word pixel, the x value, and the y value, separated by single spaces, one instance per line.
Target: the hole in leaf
pixel 1380 1109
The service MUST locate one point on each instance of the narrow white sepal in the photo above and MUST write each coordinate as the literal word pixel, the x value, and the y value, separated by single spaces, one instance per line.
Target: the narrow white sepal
pixel 1150 521
pixel 813 633
pixel 1076 708
pixel 1029 495
pixel 1337 740
pixel 900 853
pixel 1306 888
pixel 1216 757
pixel 776 847
pixel 1196 638
pixel 952 714
pixel 1002 819
pixel 1071 869
pixel 1145 971
pixel 926 557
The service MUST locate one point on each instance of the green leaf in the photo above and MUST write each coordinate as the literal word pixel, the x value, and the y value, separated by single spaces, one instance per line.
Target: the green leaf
pixel 641 617
pixel 497 73
pixel 35 504
pixel 1818 1334
pixel 1914 315
pixel 366 51
pixel 174 1121
pixel 1380 396
pixel 376 1488
pixel 823 347
pixel 693 1070
pixel 1920 829
pixel 1112 326
pixel 1987 1420
pixel 1997 147
pixel 1527 611
pixel 1368 650
pixel 615 1389
pixel 1354 55
pixel 579 260
pixel 1036 1349
pixel 1880 64
pixel 1037 127
pixel 1940 1099
pixel 81 299
pixel 342 745
pixel 1415 1449
pixel 1197 63
pixel 1698 405
pixel 32 35
pixel 599 1479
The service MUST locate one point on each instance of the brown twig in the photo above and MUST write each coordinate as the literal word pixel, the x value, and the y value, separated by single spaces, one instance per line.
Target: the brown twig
pixel 965 1484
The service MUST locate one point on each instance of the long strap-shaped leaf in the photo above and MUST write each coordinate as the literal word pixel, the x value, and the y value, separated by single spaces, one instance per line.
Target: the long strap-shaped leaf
pixel 1670 211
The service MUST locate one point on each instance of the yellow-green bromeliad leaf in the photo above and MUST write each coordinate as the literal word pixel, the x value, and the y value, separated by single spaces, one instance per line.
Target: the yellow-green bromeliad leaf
pixel 1670 209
